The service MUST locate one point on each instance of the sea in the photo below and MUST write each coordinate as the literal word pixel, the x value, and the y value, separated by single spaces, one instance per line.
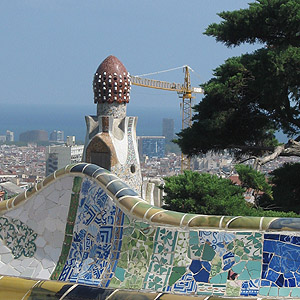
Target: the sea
pixel 70 118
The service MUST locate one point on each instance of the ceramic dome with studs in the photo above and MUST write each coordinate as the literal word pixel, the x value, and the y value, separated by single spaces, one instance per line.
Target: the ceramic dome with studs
pixel 111 82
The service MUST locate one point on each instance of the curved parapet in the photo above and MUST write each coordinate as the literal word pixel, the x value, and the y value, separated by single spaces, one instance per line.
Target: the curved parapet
pixel 82 231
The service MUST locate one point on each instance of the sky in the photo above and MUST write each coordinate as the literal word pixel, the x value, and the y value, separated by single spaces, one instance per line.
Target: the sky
pixel 50 50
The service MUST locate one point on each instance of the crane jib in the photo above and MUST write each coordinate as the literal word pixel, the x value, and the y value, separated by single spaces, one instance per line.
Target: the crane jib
pixel 184 90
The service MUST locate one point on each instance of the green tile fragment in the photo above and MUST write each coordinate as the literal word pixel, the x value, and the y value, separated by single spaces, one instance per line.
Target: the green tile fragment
pixel 273 291
pixel 194 237
pixel 208 252
pixel 69 228
pixel 76 184
pixel 295 292
pixel 254 268
pixel 177 273
pixel 264 291
pixel 238 268
pixel 244 275
pixel 220 278
pixel 126 220
pixel 284 292
pixel 120 273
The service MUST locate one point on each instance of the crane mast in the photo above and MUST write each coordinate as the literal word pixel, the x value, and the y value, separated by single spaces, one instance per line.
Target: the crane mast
pixel 185 92
pixel 186 111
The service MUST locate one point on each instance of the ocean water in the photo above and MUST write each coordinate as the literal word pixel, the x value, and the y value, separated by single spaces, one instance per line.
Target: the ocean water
pixel 70 118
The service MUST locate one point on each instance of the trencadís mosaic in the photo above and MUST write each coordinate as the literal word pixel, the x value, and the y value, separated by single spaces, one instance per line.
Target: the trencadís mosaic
pixel 85 226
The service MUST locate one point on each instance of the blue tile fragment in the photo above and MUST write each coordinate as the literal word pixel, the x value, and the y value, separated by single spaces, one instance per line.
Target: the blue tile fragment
pixel 269 246
pixel 286 283
pixel 265 283
pixel 295 240
pixel 285 238
pixel 292 282
pixel 202 276
pixel 78 168
pixel 100 171
pixel 127 192
pixel 195 266
pixel 116 186
pixel 280 281
pixel 269 236
pixel 267 257
pixel 291 223
pixel 272 276
pixel 275 263
pixel 90 169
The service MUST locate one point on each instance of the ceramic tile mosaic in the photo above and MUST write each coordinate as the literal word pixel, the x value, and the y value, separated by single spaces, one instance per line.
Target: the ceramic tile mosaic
pixel 74 229
pixel 32 235
pixel 124 170
pixel 97 236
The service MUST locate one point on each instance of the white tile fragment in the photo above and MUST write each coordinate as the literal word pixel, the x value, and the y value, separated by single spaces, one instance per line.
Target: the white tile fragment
pixel 44 274
pixel 40 242
pixel 47 263
pixel 54 196
pixel 4 249
pixel 6 258
pixel 28 272
pixel 9 271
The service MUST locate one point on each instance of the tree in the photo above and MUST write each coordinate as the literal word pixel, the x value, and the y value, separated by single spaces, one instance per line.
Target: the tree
pixel 253 95
pixel 192 192
pixel 286 187
pixel 252 179
pixel 207 194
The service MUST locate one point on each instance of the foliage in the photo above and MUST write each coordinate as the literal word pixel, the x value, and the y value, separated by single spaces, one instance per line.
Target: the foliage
pixel 286 187
pixel 192 192
pixel 255 180
pixel 274 22
pixel 203 194
pixel 253 95
pixel 260 212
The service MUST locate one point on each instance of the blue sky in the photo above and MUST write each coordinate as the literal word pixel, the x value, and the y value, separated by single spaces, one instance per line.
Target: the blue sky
pixel 50 49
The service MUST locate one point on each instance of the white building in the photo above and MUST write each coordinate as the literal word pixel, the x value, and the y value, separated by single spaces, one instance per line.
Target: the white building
pixel 57 136
pixel 58 157
pixel 10 137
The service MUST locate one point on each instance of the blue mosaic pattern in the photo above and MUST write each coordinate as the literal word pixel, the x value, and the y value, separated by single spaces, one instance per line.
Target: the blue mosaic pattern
pixel 96 240
pixel 281 265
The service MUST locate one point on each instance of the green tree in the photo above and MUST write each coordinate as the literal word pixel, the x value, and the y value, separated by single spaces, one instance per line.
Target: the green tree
pixel 253 95
pixel 192 192
pixel 207 194
pixel 286 187
pixel 252 179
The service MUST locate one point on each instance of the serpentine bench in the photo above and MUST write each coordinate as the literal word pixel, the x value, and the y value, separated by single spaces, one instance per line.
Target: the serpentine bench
pixel 82 233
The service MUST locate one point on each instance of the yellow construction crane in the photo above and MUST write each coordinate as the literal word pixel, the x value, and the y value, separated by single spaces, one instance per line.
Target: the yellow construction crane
pixel 185 91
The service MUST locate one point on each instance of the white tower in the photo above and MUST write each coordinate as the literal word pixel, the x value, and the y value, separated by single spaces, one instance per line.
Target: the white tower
pixel 111 136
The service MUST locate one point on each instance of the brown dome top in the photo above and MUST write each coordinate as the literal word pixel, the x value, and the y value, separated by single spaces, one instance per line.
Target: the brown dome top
pixel 111 82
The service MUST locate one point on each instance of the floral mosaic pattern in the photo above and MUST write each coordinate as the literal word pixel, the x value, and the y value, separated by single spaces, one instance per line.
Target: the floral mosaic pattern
pixel 18 237
pixel 137 248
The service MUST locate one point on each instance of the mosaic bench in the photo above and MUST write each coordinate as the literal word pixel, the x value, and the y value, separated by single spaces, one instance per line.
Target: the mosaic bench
pixel 82 233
